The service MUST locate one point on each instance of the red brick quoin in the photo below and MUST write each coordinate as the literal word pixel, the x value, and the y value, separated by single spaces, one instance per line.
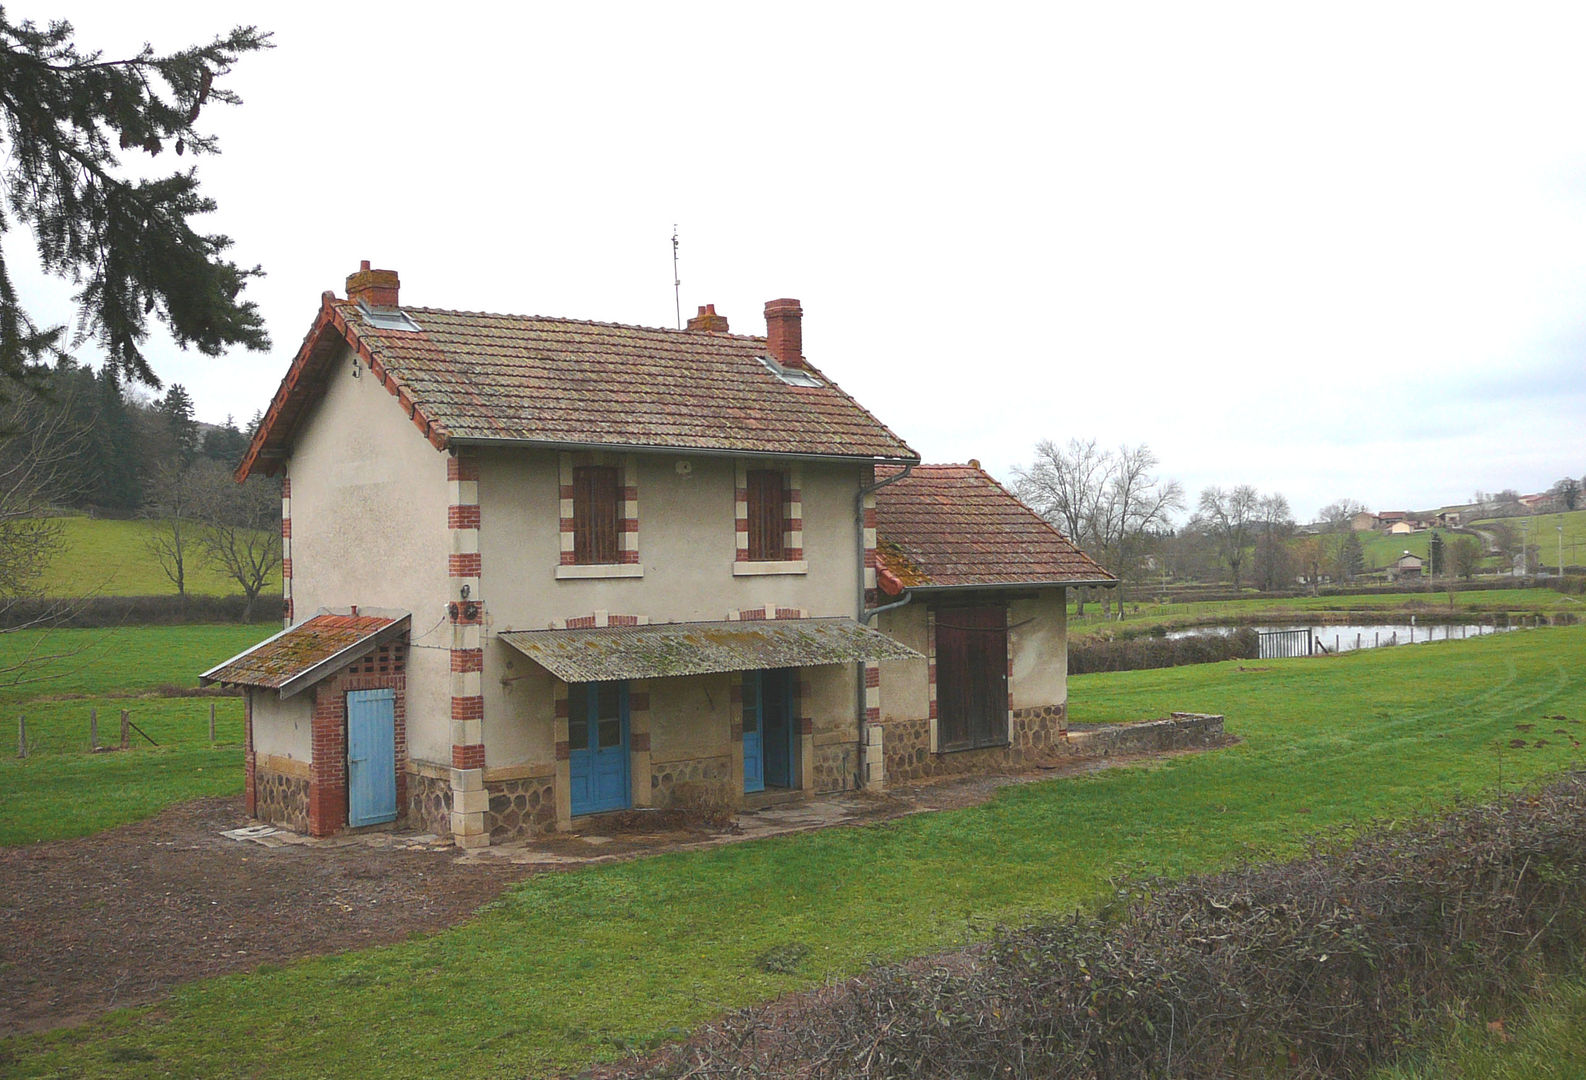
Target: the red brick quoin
pixel 385 668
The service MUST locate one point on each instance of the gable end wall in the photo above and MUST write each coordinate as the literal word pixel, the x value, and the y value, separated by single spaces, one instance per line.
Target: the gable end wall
pixel 369 527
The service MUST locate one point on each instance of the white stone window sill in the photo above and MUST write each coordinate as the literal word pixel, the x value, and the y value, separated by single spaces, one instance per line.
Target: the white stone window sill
pixel 764 569
pixel 600 570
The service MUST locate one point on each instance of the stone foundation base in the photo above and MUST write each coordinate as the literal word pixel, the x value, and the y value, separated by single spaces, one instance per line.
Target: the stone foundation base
pixel 836 768
pixel 706 771
pixel 520 808
pixel 1039 733
pixel 281 800
pixel 430 803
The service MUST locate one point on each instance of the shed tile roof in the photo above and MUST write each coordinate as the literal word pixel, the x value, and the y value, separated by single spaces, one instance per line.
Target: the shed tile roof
pixel 953 525
pixel 471 375
pixel 327 641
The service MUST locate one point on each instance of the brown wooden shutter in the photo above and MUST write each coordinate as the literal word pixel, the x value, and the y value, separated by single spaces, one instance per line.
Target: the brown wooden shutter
pixel 596 509
pixel 971 677
pixel 767 515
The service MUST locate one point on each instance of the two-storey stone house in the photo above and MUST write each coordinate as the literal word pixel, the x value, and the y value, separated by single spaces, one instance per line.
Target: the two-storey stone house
pixel 541 568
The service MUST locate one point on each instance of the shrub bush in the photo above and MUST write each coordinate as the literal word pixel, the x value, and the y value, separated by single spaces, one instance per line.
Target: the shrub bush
pixel 1092 654
pixel 101 611
pixel 1320 967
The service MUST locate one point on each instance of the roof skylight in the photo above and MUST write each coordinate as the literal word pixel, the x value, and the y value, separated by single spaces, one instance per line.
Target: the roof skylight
pixel 791 376
pixel 388 318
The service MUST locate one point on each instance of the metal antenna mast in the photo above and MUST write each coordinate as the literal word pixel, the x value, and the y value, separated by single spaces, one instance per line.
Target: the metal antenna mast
pixel 677 282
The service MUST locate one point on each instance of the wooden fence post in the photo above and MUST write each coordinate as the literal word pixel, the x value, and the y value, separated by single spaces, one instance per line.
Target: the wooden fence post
pixel 22 736
pixel 211 723
pixel 125 732
pixel 93 729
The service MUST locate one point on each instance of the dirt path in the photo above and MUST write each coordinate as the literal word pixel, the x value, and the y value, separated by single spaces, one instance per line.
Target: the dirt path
pixel 124 916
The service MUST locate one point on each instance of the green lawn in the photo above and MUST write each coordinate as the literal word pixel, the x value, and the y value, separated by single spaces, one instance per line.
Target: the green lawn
pixel 61 790
pixel 1479 603
pixel 574 966
pixel 109 558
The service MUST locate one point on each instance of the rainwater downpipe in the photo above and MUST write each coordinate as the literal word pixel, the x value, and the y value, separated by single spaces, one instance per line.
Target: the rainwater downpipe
pixel 866 614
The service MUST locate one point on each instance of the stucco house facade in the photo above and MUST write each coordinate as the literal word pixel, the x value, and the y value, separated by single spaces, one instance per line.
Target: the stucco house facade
pixel 542 568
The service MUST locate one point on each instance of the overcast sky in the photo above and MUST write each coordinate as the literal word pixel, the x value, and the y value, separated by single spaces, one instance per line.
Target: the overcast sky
pixel 1332 252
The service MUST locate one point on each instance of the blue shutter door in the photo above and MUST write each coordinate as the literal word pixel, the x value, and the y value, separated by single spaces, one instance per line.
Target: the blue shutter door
pixel 753 741
pixel 371 757
pixel 598 763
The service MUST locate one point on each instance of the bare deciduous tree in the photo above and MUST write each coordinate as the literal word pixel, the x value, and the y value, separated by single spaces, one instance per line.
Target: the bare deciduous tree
pixel 175 489
pixel 241 534
pixel 1137 502
pixel 40 448
pixel 1229 518
pixel 1105 501
pixel 1276 523
pixel 1065 485
pixel 1340 514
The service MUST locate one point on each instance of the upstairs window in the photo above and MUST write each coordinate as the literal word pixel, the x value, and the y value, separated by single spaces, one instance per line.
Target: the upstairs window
pixel 767 515
pixel 597 512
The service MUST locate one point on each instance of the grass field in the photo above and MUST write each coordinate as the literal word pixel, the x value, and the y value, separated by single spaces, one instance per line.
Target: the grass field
pixel 1380 549
pixel 1543 530
pixel 109 558
pixel 1477 603
pixel 60 790
pixel 585 964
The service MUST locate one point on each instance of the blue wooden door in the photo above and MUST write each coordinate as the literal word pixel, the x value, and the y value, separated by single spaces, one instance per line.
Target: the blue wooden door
pixel 597 743
pixel 371 757
pixel 753 735
pixel 768 705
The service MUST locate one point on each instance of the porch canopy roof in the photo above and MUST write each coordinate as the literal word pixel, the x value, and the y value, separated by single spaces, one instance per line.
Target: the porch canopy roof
pixel 701 648
pixel 302 655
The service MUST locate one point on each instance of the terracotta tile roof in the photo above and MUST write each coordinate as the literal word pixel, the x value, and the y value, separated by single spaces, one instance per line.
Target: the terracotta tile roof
pixel 472 376
pixel 947 525
pixel 316 647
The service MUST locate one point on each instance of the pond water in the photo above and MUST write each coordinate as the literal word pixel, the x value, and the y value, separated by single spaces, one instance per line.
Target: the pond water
pixel 1349 637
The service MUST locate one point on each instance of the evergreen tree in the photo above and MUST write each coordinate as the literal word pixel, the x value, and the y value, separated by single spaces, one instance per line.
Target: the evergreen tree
pixel 115 449
pixel 226 443
pixel 1354 556
pixel 176 408
pixel 129 243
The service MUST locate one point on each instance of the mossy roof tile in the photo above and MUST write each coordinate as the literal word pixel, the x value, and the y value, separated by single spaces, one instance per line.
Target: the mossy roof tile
pixel 954 526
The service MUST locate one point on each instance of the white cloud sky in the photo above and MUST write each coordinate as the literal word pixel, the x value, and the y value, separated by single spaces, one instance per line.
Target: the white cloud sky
pixel 1330 252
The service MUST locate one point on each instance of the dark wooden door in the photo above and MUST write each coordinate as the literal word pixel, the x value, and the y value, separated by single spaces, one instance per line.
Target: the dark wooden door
pixel 971 677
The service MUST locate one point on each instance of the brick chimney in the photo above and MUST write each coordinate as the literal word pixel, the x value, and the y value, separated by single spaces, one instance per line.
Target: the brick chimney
pixel 784 332
pixel 376 288
pixel 707 319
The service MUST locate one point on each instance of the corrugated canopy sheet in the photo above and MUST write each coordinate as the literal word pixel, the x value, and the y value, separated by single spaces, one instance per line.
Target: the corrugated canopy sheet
pixel 953 525
pixel 701 648
pixel 325 641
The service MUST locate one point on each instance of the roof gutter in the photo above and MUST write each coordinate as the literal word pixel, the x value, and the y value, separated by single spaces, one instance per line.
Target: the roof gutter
pixel 859 541
pixel 1087 583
